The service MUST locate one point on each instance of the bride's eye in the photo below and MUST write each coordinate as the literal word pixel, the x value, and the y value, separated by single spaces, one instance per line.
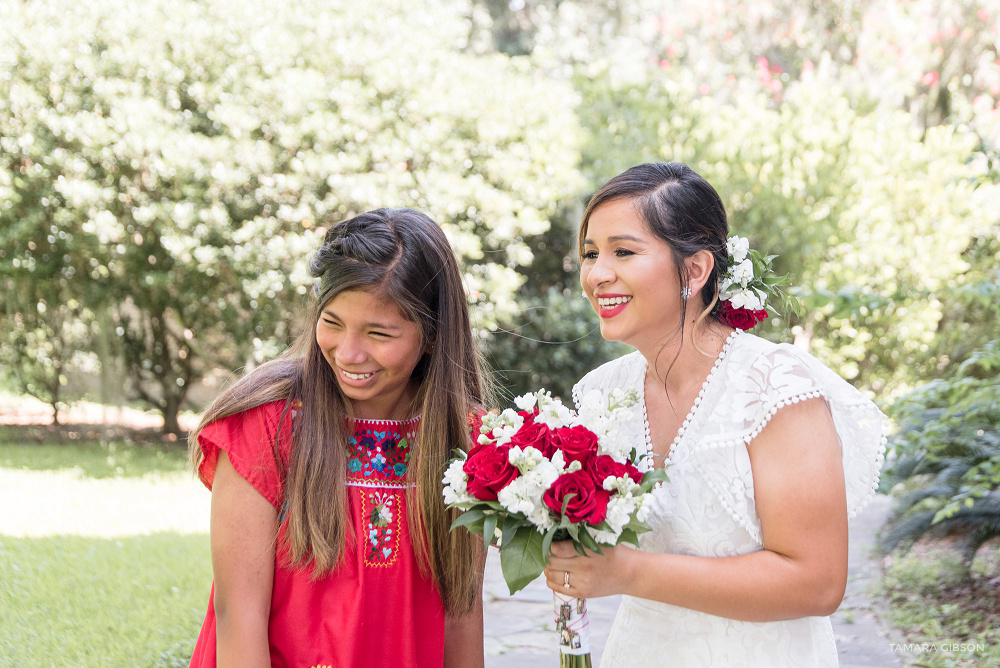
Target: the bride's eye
pixel 589 255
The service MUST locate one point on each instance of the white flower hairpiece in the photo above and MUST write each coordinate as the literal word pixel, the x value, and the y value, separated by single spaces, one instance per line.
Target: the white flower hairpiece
pixel 746 285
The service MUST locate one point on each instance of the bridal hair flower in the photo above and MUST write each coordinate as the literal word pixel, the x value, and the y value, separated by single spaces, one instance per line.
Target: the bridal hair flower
pixel 747 284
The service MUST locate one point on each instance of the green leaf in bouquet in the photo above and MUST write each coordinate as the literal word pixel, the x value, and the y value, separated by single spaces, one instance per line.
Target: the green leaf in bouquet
pixel 510 526
pixel 521 558
pixel 588 541
pixel 547 542
pixel 650 478
pixel 470 518
pixel 629 536
pixel 489 529
pixel 566 500
pixel 637 526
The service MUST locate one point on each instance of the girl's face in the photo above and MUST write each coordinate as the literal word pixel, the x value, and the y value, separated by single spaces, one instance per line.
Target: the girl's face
pixel 372 350
pixel 628 275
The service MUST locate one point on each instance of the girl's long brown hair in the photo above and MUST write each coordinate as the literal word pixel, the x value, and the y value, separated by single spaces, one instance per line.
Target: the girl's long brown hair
pixel 403 256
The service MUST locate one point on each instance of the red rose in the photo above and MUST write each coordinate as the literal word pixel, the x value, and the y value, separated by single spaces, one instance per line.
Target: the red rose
pixel 589 503
pixel 577 443
pixel 604 465
pixel 489 470
pixel 535 435
pixel 741 318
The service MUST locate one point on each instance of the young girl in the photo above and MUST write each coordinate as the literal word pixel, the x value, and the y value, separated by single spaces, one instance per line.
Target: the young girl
pixel 330 543
pixel 768 451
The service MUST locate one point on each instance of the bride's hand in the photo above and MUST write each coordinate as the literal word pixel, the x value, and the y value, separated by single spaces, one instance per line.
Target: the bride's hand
pixel 590 576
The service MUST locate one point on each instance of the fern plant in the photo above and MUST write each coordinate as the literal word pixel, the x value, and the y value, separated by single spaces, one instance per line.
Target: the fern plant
pixel 945 458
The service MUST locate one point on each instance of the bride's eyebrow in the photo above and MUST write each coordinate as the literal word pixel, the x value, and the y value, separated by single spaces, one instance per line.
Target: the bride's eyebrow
pixel 616 238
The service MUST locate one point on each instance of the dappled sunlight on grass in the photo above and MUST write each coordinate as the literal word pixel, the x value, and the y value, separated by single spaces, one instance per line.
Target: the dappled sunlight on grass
pixel 49 503
pixel 69 600
pixel 99 491
pixel 94 460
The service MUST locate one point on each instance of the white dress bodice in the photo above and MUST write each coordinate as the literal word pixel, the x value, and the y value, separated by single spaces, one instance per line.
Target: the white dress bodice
pixel 707 506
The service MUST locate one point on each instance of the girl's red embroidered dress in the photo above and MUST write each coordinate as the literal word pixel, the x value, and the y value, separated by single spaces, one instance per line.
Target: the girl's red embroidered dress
pixel 375 609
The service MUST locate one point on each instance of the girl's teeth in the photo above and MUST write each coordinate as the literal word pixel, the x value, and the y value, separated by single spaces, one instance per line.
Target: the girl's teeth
pixel 613 301
pixel 356 376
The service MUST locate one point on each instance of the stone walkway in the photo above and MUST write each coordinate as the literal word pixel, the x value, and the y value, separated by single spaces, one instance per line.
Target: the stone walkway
pixel 520 631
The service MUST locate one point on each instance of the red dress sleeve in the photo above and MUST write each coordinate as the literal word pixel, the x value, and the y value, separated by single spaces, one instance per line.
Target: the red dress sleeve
pixel 248 438
pixel 474 419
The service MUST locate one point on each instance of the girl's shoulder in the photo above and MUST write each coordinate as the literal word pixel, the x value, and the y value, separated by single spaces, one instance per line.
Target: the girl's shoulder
pixel 256 441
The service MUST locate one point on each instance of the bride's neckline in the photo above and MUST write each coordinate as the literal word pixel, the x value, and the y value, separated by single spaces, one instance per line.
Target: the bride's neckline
pixel 723 354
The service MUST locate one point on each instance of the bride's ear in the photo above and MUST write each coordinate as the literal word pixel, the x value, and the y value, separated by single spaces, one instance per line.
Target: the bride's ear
pixel 699 268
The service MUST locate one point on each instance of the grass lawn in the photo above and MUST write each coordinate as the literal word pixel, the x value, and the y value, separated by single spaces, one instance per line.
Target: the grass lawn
pixel 934 605
pixel 136 598
pixel 92 459
pixel 76 601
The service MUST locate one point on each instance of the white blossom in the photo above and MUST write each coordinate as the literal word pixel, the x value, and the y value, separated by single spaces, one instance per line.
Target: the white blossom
pixel 620 509
pixel 647 503
pixel 742 273
pixel 526 402
pixel 738 247
pixel 455 484
pixel 555 415
pixel 500 428
pixel 750 298
pixel 524 495
pixel 624 486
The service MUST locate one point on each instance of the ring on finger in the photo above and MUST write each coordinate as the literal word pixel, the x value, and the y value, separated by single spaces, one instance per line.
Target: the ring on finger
pixel 566 579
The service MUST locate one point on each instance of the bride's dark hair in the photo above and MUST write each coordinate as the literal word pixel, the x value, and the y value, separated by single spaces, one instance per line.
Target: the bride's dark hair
pixel 680 208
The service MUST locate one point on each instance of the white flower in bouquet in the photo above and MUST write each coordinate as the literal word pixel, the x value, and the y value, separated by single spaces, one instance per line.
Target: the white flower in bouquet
pixel 543 473
pixel 455 484
pixel 647 506
pixel 526 402
pixel 500 428
pixel 523 495
pixel 555 415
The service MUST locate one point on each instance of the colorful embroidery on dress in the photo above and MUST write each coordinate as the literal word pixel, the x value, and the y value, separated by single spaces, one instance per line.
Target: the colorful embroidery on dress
pixel 379 454
pixel 380 511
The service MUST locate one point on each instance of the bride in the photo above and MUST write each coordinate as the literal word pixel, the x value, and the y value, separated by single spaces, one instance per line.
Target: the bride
pixel 768 452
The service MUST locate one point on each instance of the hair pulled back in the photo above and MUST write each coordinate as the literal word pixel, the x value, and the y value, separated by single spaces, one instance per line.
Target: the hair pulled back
pixel 680 208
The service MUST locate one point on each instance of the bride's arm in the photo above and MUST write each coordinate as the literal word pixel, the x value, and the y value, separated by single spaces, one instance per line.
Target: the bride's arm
pixel 802 570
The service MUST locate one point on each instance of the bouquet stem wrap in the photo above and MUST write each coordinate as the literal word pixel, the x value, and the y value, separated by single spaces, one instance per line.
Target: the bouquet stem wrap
pixel 573 627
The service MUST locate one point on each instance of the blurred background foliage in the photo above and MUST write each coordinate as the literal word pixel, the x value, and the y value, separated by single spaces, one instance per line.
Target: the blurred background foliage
pixel 167 167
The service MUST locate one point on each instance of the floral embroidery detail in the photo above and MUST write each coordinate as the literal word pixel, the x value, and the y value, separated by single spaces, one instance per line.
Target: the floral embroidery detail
pixel 379 453
pixel 379 512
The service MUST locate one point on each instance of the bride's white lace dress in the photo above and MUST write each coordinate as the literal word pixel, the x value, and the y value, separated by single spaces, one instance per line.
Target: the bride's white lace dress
pixel 707 507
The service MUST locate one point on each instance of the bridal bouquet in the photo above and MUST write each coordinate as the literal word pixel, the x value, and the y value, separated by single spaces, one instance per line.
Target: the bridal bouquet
pixel 543 472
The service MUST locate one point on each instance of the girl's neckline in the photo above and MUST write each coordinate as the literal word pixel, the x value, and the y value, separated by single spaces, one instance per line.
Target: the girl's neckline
pixel 407 421
pixel 689 418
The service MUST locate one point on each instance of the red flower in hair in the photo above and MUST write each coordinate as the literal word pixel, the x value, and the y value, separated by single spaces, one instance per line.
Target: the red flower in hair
pixel 741 318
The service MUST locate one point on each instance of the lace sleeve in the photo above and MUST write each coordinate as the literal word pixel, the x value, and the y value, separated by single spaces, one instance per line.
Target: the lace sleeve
pixel 786 375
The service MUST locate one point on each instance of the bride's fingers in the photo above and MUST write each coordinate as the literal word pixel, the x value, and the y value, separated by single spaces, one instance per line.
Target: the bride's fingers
pixel 564 549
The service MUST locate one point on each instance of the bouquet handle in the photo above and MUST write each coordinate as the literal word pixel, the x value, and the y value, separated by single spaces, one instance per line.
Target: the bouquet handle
pixel 573 628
